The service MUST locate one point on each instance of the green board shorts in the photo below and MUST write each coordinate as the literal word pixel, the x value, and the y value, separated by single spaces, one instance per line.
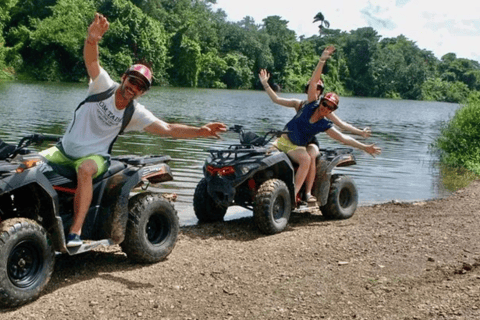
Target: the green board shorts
pixel 54 155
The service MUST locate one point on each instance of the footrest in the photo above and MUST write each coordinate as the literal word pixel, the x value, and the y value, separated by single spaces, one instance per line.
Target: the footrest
pixel 89 246
pixel 312 204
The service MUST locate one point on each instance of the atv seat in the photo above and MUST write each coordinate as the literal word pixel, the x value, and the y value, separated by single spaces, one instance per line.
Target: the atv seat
pixel 5 150
pixel 69 175
pixel 251 138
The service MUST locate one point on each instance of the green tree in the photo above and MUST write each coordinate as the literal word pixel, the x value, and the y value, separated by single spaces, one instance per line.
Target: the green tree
pixel 400 68
pixel 186 60
pixel 5 14
pixel 52 48
pixel 238 74
pixel 133 37
pixel 212 69
pixel 245 38
pixel 360 48
pixel 323 23
pixel 282 45
pixel 436 89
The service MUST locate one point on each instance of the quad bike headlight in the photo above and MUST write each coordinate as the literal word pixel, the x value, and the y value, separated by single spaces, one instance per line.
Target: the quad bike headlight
pixel 246 168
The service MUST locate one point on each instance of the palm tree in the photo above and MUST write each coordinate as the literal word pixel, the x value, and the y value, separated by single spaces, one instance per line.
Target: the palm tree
pixel 323 23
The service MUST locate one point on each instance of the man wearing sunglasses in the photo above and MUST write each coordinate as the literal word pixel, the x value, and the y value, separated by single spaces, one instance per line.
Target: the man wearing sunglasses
pixel 98 120
pixel 311 119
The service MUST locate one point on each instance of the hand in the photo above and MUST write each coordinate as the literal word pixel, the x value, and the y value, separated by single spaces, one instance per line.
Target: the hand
pixel 212 129
pixel 98 27
pixel 373 150
pixel 263 75
pixel 327 53
pixel 366 132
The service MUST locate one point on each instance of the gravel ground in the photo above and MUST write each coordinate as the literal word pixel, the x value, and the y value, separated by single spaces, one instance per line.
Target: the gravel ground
pixel 389 261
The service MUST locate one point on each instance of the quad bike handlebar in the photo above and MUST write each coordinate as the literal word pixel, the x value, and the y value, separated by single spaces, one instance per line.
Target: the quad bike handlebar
pixel 11 151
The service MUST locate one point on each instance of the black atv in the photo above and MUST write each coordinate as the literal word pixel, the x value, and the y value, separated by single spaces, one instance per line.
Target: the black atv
pixel 36 210
pixel 261 178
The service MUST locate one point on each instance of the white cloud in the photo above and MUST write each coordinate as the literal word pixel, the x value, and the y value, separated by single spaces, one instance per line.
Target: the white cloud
pixel 440 27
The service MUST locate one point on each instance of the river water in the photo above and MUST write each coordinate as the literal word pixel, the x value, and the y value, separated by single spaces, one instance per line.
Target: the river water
pixel 406 170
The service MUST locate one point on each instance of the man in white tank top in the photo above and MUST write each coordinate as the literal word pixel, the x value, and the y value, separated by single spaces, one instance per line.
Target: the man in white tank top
pixel 95 125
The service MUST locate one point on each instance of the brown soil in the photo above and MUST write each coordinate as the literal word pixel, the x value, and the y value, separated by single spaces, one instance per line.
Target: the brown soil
pixel 389 261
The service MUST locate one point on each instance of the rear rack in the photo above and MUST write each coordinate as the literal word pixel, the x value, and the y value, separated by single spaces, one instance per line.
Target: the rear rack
pixel 237 151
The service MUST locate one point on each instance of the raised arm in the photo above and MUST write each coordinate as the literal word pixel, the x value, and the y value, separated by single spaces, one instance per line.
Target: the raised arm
pixel 317 73
pixel 372 149
pixel 181 131
pixel 365 132
pixel 90 49
pixel 263 75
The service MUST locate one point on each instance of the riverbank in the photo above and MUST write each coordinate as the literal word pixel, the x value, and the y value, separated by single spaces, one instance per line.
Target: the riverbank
pixel 389 261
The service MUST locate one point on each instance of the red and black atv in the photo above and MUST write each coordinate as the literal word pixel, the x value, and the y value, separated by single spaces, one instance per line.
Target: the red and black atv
pixel 261 178
pixel 36 210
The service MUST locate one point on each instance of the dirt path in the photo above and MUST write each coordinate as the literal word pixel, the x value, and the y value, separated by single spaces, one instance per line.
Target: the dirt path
pixel 390 261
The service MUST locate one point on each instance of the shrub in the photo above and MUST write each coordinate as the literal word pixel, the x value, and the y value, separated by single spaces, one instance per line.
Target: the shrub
pixel 459 140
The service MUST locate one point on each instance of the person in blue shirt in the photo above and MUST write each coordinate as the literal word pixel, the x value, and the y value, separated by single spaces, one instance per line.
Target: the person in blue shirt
pixel 314 116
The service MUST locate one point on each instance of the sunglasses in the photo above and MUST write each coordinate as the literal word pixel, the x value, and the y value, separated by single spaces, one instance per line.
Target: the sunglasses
pixel 329 106
pixel 137 83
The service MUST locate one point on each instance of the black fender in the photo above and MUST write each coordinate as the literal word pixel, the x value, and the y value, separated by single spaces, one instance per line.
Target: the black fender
pixel 323 177
pixel 284 170
pixel 112 216
pixel 52 221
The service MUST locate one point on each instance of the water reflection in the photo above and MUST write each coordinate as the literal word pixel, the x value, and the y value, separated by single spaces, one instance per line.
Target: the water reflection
pixel 406 170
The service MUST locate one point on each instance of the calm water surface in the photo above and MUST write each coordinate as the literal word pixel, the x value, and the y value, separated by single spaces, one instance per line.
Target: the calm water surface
pixel 405 171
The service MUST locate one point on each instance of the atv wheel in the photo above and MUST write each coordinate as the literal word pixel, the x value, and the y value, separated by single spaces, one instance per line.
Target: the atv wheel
pixel 342 199
pixel 26 261
pixel 204 206
pixel 272 206
pixel 152 228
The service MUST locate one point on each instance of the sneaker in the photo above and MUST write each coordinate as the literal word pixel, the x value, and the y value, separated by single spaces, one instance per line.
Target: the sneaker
pixel 311 198
pixel 73 240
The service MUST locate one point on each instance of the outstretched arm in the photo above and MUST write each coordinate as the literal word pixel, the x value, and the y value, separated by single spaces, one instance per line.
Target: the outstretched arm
pixel 90 49
pixel 174 130
pixel 263 75
pixel 372 149
pixel 365 132
pixel 317 73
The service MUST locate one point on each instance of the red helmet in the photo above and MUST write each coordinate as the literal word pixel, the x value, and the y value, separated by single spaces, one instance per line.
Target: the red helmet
pixel 142 73
pixel 332 97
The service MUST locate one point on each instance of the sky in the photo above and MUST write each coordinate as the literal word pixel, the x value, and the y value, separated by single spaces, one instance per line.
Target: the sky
pixel 438 26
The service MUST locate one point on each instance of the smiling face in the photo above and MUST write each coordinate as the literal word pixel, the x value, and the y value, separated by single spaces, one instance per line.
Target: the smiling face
pixel 325 108
pixel 131 88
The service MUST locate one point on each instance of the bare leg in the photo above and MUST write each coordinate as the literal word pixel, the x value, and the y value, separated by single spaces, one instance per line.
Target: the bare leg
pixel 83 196
pixel 313 152
pixel 301 157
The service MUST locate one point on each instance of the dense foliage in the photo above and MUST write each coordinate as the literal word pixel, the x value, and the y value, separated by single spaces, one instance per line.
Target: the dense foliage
pixel 188 44
pixel 459 142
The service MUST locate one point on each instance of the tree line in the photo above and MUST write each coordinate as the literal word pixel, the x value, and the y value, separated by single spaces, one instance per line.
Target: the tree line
pixel 188 44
